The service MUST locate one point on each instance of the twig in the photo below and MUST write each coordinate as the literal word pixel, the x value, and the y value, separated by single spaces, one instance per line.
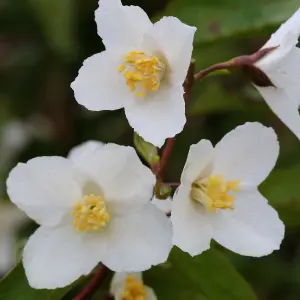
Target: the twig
pixel 164 157
pixel 220 66
pixel 92 285
pixel 236 62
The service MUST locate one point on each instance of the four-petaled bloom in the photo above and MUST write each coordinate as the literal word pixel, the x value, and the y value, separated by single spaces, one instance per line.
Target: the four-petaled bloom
pixel 281 65
pixel 130 286
pixel 218 197
pixel 94 206
pixel 143 70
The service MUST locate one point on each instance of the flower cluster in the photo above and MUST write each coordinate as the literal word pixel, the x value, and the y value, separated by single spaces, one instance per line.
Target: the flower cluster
pixel 97 205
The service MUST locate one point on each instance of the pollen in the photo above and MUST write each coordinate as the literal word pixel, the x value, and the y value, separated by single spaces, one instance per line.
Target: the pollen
pixel 142 73
pixel 215 192
pixel 90 213
pixel 134 289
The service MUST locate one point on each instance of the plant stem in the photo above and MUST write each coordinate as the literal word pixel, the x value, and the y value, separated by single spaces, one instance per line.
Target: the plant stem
pixel 220 66
pixel 164 157
pixel 91 287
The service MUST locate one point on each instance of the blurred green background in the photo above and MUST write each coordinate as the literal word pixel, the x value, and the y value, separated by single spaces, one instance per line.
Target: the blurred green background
pixel 42 46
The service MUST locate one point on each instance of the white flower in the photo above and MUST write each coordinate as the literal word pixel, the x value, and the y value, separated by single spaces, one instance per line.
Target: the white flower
pixel 218 196
pixel 281 65
pixel 143 70
pixel 92 207
pixel 163 205
pixel 130 286
pixel 80 151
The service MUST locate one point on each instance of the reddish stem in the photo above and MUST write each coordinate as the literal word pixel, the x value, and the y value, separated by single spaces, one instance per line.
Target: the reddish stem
pixel 220 66
pixel 91 287
pixel 164 157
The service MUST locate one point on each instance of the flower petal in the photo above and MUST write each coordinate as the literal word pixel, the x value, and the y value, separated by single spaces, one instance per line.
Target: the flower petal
pixel 80 152
pixel 158 116
pixel 284 73
pixel 247 153
pixel 121 26
pixel 99 85
pixel 138 240
pixel 120 174
pixel 252 228
pixel 174 40
pixel 163 205
pixel 55 257
pixel 284 105
pixel 198 162
pixel 192 225
pixel 45 188
pixel 286 37
pixel 284 100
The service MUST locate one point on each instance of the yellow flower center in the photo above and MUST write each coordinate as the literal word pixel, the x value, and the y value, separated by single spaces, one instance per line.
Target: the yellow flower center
pixel 143 73
pixel 90 213
pixel 134 289
pixel 215 192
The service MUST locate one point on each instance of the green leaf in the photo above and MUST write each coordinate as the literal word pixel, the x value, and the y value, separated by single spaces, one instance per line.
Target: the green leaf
pixel 15 287
pixel 56 18
pixel 209 276
pixel 213 98
pixel 146 150
pixel 223 18
pixel 282 190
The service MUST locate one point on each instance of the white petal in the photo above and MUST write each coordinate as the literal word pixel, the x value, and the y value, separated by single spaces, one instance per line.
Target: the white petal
pixel 44 188
pixel 198 162
pixel 252 228
pixel 55 257
pixel 158 116
pixel 284 105
pixel 174 40
pixel 163 205
pixel 121 26
pixel 286 37
pixel 139 240
pixel 247 153
pixel 120 174
pixel 80 152
pixel 192 224
pixel 283 73
pixel 99 85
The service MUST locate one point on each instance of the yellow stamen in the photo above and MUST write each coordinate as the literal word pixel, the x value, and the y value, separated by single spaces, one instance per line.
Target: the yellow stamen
pixel 134 289
pixel 122 68
pixel 140 94
pixel 142 73
pixel 214 192
pixel 90 213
